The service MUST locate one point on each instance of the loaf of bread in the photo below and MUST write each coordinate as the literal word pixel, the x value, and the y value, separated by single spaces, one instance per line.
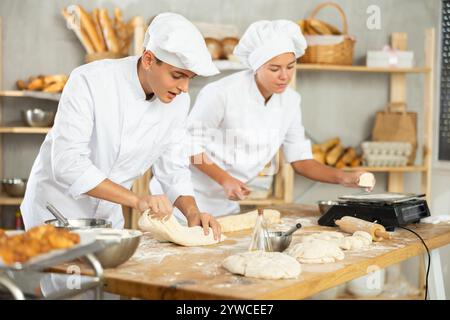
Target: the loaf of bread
pixel 21 85
pixel 214 48
pixel 36 84
pixel 329 144
pixel 228 45
pixel 79 32
pixel 356 162
pixel 108 31
pixel 319 156
pixel 333 156
pixel 88 25
pixel 348 156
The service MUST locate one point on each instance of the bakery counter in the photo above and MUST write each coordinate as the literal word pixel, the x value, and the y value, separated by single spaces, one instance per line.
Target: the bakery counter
pixel 167 271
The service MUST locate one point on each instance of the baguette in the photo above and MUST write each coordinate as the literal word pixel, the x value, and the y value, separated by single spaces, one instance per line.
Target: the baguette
pixel 124 31
pixel 108 31
pixel 98 27
pixel 88 24
pixel 79 32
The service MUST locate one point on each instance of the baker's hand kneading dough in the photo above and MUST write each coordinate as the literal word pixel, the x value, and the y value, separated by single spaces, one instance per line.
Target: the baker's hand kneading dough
pixel 206 221
pixel 159 206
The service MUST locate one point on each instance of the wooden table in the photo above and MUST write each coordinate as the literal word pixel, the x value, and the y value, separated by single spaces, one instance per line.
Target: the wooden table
pixel 167 271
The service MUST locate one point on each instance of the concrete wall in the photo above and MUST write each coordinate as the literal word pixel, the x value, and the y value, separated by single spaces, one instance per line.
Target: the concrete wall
pixel 35 40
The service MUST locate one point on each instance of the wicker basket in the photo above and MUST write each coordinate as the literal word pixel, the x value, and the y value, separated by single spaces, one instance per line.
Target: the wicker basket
pixel 338 54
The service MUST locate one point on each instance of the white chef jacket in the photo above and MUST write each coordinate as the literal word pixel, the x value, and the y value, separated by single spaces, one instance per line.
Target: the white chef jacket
pixel 105 128
pixel 234 106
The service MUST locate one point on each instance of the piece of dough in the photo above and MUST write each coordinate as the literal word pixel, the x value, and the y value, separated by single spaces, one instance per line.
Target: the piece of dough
pixel 247 220
pixel 316 251
pixel 171 230
pixel 366 180
pixel 332 236
pixel 263 265
pixel 358 240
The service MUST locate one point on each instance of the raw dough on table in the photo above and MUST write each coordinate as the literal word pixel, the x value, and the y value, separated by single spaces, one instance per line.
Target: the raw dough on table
pixel 237 222
pixel 316 251
pixel 358 240
pixel 263 265
pixel 171 230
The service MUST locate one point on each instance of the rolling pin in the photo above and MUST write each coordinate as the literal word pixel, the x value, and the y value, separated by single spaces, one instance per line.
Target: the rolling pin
pixel 352 224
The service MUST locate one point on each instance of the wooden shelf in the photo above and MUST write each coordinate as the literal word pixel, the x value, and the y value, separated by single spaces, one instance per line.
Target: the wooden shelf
pixel 388 169
pixel 24 130
pixel 6 200
pixel 324 67
pixel 31 94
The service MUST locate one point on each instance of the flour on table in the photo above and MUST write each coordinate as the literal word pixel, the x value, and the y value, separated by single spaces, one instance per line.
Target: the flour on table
pixel 171 230
pixel 263 265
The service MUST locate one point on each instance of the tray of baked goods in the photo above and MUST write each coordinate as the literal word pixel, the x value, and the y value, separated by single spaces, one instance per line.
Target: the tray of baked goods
pixel 44 246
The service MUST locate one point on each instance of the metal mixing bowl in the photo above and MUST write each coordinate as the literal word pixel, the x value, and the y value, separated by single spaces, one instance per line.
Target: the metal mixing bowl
pixel 279 240
pixel 82 224
pixel 325 205
pixel 38 117
pixel 116 254
pixel 14 187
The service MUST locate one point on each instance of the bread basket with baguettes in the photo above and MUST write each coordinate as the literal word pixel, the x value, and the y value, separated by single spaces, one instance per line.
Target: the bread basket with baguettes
pixel 325 43
pixel 101 36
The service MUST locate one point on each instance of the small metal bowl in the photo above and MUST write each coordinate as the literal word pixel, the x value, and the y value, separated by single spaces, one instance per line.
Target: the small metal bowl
pixel 14 187
pixel 116 254
pixel 81 224
pixel 325 205
pixel 279 241
pixel 38 117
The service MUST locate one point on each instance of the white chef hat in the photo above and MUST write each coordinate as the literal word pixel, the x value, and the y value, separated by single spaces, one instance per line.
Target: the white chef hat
pixel 264 40
pixel 175 40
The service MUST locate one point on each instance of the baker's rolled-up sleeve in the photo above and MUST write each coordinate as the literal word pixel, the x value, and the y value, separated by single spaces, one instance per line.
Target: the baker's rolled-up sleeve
pixel 71 134
pixel 295 145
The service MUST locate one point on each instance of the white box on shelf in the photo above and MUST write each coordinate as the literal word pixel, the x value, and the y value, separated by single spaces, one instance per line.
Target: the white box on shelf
pixel 390 58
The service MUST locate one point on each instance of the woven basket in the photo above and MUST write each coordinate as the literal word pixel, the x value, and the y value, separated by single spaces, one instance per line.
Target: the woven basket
pixel 338 54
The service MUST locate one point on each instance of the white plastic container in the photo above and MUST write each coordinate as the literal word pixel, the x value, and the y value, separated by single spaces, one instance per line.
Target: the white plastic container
pixel 394 59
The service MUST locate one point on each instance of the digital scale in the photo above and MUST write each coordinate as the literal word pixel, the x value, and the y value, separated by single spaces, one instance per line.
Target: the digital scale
pixel 388 209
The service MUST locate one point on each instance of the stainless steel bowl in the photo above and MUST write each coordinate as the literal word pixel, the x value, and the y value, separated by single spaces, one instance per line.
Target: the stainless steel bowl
pixel 279 240
pixel 14 187
pixel 116 254
pixel 38 117
pixel 82 224
pixel 325 205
